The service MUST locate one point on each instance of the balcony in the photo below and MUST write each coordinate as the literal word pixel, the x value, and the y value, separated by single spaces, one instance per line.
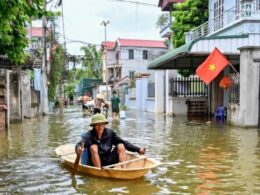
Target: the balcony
pixel 166 31
pixel 223 21
pixel 114 72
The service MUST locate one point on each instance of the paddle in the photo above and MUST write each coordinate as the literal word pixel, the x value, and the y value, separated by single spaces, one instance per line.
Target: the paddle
pixel 126 162
pixel 76 163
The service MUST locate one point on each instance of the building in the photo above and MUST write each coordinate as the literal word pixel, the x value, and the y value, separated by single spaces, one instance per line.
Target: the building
pixel 234 28
pixel 128 57
pixel 125 60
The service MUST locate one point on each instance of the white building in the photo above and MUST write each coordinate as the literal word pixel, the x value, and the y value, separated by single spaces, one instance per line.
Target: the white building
pixel 127 59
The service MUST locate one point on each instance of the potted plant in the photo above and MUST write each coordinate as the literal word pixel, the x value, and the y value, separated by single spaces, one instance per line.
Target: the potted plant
pixel 122 111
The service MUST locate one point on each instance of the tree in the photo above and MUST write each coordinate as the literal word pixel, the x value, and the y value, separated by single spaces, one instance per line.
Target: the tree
pixel 162 21
pixel 58 62
pixel 187 16
pixel 92 62
pixel 14 17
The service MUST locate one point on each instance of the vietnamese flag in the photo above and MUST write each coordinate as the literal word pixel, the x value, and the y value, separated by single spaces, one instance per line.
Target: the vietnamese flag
pixel 212 66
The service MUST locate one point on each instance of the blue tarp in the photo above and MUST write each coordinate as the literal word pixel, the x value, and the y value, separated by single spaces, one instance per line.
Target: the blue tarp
pixel 37 79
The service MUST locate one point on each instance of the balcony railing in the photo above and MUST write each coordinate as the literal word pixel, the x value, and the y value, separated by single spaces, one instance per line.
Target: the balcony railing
pixel 222 21
pixel 166 31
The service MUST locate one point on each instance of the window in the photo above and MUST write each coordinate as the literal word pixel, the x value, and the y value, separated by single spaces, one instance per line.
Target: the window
pixel 145 54
pixel 131 74
pixel 237 7
pixel 218 14
pixel 131 54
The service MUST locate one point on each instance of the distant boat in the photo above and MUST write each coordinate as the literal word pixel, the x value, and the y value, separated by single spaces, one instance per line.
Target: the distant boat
pixel 136 165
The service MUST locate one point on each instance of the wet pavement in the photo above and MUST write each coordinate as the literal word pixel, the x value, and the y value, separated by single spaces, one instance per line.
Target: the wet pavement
pixel 199 157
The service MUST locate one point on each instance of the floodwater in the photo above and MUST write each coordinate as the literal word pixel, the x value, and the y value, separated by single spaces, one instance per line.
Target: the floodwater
pixel 199 157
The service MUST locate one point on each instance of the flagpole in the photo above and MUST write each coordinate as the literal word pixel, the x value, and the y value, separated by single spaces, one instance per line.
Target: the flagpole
pixel 233 68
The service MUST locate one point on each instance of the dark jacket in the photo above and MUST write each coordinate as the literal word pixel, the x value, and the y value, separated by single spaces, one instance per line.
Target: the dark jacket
pixel 109 138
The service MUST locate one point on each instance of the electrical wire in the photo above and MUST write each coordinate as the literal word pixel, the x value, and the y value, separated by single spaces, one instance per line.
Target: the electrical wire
pixel 135 2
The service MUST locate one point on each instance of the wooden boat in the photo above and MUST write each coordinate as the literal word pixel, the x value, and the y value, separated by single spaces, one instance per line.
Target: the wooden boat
pixel 136 165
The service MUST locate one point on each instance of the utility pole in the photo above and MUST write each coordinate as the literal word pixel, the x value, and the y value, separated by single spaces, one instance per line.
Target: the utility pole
pixel 44 88
pixel 105 23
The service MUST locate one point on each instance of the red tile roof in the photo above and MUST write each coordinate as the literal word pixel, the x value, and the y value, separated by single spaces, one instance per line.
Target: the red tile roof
pixel 37 31
pixel 141 43
pixel 108 44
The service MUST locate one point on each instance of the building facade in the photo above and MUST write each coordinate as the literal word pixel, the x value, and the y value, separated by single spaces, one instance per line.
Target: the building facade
pixel 233 27
pixel 129 58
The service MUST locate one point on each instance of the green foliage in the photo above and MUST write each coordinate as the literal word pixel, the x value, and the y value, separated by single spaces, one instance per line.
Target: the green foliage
pixel 188 15
pixel 69 90
pixel 57 66
pixel 73 78
pixel 92 62
pixel 14 16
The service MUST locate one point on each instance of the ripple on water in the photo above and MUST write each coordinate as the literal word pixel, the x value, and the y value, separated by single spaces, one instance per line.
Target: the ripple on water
pixel 197 158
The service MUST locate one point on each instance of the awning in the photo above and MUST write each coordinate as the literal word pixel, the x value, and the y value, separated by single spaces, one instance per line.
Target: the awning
pixel 186 56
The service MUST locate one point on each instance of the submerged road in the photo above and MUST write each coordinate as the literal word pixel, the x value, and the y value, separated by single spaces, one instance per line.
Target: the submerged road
pixel 200 157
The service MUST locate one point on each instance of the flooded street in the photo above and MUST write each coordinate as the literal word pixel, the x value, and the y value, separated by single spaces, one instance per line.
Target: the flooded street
pixel 198 157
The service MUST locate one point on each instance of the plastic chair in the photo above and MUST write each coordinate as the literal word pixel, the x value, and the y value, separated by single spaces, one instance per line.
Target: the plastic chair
pixel 220 113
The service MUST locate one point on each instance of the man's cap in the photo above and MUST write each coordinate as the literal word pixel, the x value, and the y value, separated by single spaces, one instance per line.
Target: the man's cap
pixel 98 118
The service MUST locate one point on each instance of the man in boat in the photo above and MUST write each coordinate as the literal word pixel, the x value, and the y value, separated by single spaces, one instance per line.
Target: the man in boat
pixel 100 141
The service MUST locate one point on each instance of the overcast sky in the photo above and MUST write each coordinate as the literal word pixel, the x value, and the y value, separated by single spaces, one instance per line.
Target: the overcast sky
pixel 83 17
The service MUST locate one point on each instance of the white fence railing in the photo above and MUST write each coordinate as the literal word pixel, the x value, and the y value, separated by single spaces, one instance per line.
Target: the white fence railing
pixel 225 19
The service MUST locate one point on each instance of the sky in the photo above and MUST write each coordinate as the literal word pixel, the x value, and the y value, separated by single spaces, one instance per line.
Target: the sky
pixel 82 20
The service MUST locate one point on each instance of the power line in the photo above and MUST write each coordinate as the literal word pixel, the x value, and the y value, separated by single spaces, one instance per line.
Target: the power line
pixel 136 2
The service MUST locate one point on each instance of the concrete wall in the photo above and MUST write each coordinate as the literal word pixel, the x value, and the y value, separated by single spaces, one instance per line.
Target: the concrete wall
pixel 169 75
pixel 159 91
pixel 245 27
pixel 138 84
pixel 15 107
pixel 177 106
pixel 150 104
pixel 246 112
pixel 132 103
pixel 26 94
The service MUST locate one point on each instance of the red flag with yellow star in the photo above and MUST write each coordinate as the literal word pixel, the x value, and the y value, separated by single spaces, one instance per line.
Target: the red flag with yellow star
pixel 212 66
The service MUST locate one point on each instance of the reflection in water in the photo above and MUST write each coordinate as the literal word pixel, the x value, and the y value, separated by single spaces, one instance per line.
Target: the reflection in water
pixel 200 157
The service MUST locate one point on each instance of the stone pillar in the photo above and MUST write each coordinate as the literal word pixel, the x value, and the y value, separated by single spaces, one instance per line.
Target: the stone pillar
pixel 144 91
pixel 169 75
pixel 44 94
pixel 159 91
pixel 246 112
pixel 26 94
pixel 138 84
pixel 8 97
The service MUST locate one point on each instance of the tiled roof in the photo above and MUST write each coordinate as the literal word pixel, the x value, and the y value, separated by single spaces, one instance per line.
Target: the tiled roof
pixel 141 43
pixel 37 31
pixel 108 44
